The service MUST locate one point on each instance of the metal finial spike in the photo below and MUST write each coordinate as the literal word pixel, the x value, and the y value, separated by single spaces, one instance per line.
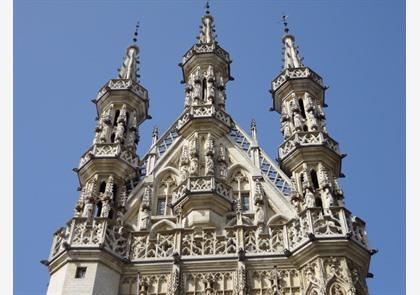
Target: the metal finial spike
pixel 136 32
pixel 207 7
pixel 286 29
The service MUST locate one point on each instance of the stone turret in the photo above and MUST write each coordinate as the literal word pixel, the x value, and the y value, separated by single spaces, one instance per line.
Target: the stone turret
pixel 308 154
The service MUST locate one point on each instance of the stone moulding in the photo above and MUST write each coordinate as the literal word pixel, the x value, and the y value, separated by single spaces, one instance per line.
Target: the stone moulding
pixel 107 150
pixel 296 73
pixel 123 84
pixel 206 48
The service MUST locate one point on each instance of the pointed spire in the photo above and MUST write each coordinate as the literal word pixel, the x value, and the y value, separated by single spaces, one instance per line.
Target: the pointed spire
pixel 131 60
pixel 291 57
pixel 207 31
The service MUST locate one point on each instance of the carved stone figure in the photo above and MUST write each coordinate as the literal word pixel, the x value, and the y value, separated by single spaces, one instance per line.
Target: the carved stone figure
pixel 78 210
pixel 106 208
pixel 308 103
pixel 312 122
pixel 259 217
pixel 209 168
pixel 144 218
pixel 323 177
pixel 131 139
pixel 293 104
pixel 147 196
pixel 119 134
pixel 88 209
pixel 194 167
pixel 285 129
pixel 103 137
pixel 106 114
pixel 122 118
pixel 298 121
pixel 309 199
pixel 329 197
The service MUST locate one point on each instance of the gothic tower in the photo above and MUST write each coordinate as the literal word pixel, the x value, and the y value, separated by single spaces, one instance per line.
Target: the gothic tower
pixel 206 211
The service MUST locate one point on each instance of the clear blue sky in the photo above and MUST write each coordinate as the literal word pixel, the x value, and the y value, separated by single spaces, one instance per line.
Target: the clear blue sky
pixel 65 50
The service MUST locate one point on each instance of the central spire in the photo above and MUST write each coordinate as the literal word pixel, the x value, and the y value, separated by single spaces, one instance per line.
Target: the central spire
pixel 129 69
pixel 291 57
pixel 207 27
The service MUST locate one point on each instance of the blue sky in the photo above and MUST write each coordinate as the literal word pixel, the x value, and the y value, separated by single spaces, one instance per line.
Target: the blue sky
pixel 66 50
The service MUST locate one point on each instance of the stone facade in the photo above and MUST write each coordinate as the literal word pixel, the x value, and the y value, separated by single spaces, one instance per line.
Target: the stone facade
pixel 206 211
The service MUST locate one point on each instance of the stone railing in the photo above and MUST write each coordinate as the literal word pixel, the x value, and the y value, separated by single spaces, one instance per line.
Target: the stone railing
pixel 310 138
pixel 268 168
pixel 276 239
pixel 206 48
pixel 123 84
pixel 204 111
pixel 202 184
pixel 296 73
pixel 110 150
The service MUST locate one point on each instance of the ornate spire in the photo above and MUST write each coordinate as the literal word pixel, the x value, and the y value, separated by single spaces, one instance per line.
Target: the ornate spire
pixel 207 31
pixel 129 68
pixel 291 57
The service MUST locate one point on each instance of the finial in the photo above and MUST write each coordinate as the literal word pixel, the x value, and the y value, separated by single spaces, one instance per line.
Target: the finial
pixel 136 32
pixel 286 29
pixel 254 129
pixel 155 134
pixel 207 7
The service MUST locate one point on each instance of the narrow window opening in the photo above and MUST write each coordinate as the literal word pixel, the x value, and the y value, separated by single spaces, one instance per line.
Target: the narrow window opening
pixel 114 192
pixel 111 214
pixel 80 272
pixel 302 109
pixel 305 128
pixel 161 206
pixel 98 209
pixel 117 114
pixel 314 179
pixel 245 201
pixel 302 179
pixel 102 187
pixel 128 121
pixel 204 89
pixel 112 137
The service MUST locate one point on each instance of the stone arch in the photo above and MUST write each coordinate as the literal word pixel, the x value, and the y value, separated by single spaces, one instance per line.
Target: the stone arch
pixel 168 170
pixel 277 219
pixel 313 290
pixel 162 224
pixel 245 220
pixel 335 286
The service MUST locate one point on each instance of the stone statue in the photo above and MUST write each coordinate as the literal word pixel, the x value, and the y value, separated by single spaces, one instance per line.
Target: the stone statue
pixel 211 92
pixel 329 197
pixel 309 199
pixel 103 137
pixel 122 118
pixel 209 145
pixel 307 102
pixel 293 104
pixel 259 217
pixel 209 169
pixel 88 209
pixel 323 177
pixel 298 121
pixel 184 172
pixel 106 208
pixel 194 166
pixel 119 134
pixel 222 170
pixel 147 196
pixel 285 129
pixel 144 218
pixel 78 210
pixel 311 120
pixel 106 115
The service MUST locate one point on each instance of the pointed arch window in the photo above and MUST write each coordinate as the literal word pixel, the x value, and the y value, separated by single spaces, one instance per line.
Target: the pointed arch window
pixel 314 179
pixel 117 114
pixel 302 108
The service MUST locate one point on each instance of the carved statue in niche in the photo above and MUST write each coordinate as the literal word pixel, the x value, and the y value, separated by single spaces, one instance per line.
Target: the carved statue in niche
pixel 184 162
pixel 188 91
pixel 336 187
pixel 106 115
pixel 293 105
pixel 209 168
pixel 311 120
pixel 221 95
pixel 296 202
pixel 324 180
pixel 109 187
pixel 285 129
pixel 259 217
pixel 144 218
pixel 194 166
pixel 78 210
pixel 211 93
pixel 123 197
pixel 275 282
pixel 119 134
pixel 196 95
pixel 308 102
pixel 106 207
pixel 305 178
pixel 209 145
pixel 328 197
pixel 309 199
pixel 194 146
pixel 147 196
pixel 88 208
pixel 104 132
pixel 122 118
pixel 298 121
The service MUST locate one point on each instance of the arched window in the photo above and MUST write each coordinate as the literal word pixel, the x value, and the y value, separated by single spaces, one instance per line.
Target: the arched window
pixel 102 187
pixel 98 209
pixel 314 179
pixel 302 109
pixel 117 114
pixel 204 89
pixel 114 192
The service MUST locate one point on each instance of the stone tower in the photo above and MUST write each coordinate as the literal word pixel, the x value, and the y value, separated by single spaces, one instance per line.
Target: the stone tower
pixel 206 211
